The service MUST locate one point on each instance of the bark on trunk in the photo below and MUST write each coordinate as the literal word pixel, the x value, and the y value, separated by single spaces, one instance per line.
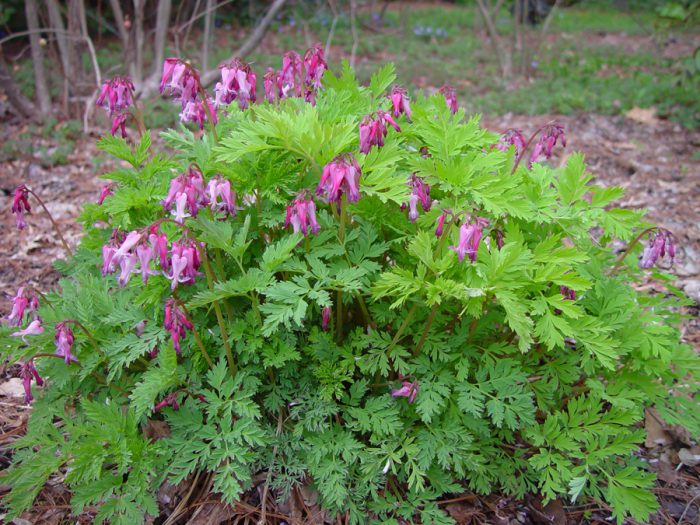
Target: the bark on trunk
pixel 17 100
pixel 161 34
pixel 40 85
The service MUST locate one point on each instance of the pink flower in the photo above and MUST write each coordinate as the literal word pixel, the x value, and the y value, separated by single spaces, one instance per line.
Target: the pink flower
pixel 325 318
pixel 145 254
pixel 27 373
pixel 289 81
pixel 187 191
pixel 64 342
pixel 315 66
pixel 400 102
pixel 169 400
pixel 105 191
pixel 238 82
pixel 159 244
pixel 116 95
pixel 408 389
pixel 184 264
pixel 373 130
pixel 194 111
pixel 180 80
pixel 33 328
pixel 176 323
pixel 129 243
pixel 660 244
pixel 440 224
pixel 20 205
pixel 301 214
pixel 20 302
pixel 512 137
pixel 549 137
pixel 450 97
pixel 340 176
pixel 119 123
pixel 220 196
pixel 420 193
pixel 270 83
pixel 568 293
pixel 469 237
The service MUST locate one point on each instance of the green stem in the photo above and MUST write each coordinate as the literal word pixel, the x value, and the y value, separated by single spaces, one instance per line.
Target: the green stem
pixel 217 310
pixel 339 298
pixel 196 336
pixel 402 328
pixel 428 323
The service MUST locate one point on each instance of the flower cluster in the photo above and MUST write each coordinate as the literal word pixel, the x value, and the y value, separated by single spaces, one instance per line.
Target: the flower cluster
pixel 373 130
pixel 298 77
pixel 220 196
pixel 176 322
pixel 550 135
pixel 238 82
pixel 20 206
pixel 187 191
pixel 181 81
pixel 659 245
pixel 400 103
pixel 105 192
pixel 470 233
pixel 301 215
pixel 314 65
pixel 340 177
pixel 22 302
pixel 64 340
pixel 290 77
pixel 450 95
pixel 420 193
pixel 512 137
pixel 27 373
pixel 116 96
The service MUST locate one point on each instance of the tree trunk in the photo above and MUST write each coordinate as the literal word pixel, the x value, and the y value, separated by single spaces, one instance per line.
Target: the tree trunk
pixel 208 23
pixel 137 75
pixel 40 85
pixel 17 100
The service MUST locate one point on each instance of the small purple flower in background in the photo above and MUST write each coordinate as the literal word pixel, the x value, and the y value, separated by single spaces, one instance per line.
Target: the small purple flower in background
pixel 659 245
pixel 373 130
pixel 33 328
pixel 105 191
pixel 340 176
pixel 169 400
pixel 289 81
pixel 20 206
pixel 470 234
pixel 315 66
pixel 400 103
pixel 325 318
pixel 549 137
pixel 450 97
pixel 567 293
pixel 408 389
pixel 20 302
pixel 270 83
pixel 116 96
pixel 301 215
pixel 176 323
pixel 64 342
pixel 420 193
pixel 512 137
pixel 220 196
pixel 27 373
pixel 238 82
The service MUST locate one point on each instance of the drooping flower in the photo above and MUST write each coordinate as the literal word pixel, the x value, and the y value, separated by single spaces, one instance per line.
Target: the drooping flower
pixel 440 224
pixel 20 302
pixel 450 97
pixel 20 205
pixel 187 191
pixel 64 342
pixel 340 176
pixel 400 102
pixel 176 323
pixel 470 234
pixel 145 255
pixel 27 373
pixel 238 82
pixel 184 264
pixel 105 191
pixel 420 193
pixel 195 111
pixel 116 95
pixel 301 214
pixel 325 318
pixel 220 196
pixel 179 80
pixel 567 293
pixel 159 244
pixel 373 130
pixel 271 84
pixel 314 66
pixel 169 400
pixel 512 137
pixel 33 328
pixel 119 124
pixel 658 246
pixel 408 389
pixel 549 137
pixel 289 81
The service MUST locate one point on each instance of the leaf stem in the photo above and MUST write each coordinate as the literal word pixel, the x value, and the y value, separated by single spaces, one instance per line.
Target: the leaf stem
pixel 196 336
pixel 428 323
pixel 339 298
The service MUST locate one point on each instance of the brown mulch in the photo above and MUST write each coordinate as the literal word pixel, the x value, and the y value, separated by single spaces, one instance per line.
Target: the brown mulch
pixel 652 159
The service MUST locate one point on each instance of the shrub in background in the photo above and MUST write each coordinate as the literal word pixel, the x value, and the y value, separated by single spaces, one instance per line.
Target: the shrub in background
pixel 440 313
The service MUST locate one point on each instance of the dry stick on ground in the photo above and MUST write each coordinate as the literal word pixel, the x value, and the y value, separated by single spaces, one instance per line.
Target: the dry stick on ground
pixel 40 84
